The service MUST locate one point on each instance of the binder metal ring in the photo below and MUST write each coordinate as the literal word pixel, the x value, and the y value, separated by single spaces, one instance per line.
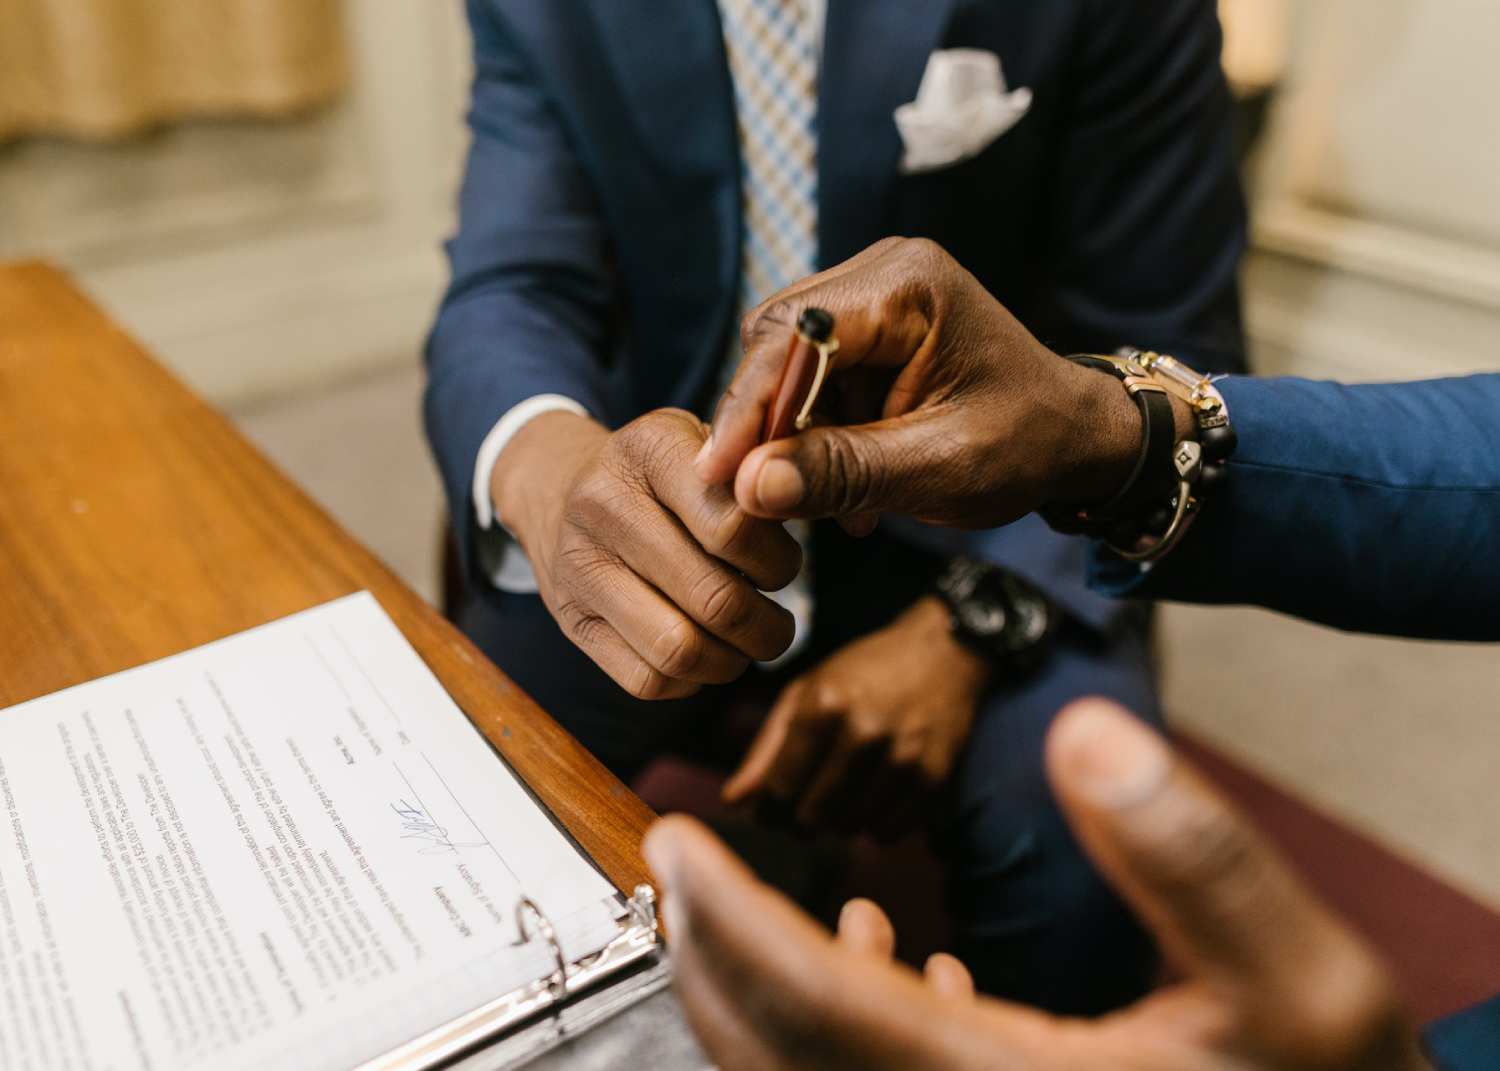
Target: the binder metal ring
pixel 559 981
pixel 639 939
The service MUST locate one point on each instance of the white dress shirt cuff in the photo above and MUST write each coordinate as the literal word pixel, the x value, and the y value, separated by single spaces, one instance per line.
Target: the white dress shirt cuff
pixel 499 557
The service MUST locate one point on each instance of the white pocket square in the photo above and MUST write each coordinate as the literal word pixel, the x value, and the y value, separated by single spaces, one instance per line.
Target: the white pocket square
pixel 962 106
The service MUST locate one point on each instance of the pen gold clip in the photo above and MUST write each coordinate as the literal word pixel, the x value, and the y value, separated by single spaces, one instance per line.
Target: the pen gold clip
pixel 808 361
pixel 826 350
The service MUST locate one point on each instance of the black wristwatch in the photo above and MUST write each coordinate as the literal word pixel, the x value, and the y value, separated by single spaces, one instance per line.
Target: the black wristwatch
pixel 995 613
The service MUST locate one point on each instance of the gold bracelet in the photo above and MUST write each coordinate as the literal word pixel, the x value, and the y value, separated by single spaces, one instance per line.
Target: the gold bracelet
pixel 1196 462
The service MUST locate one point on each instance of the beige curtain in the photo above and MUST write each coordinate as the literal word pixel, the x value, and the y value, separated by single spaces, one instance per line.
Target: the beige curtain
pixel 108 68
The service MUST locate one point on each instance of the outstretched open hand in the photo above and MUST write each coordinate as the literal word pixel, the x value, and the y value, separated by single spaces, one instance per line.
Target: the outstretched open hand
pixel 1273 981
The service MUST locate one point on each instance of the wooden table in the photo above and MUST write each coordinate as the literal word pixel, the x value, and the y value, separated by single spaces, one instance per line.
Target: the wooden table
pixel 136 522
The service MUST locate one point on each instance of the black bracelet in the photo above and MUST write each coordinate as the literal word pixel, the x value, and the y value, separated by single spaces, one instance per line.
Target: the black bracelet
pixel 1152 480
pixel 1157 505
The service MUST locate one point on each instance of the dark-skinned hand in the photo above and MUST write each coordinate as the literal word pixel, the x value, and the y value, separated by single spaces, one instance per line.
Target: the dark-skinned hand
pixel 1271 980
pixel 647 567
pixel 863 741
pixel 941 405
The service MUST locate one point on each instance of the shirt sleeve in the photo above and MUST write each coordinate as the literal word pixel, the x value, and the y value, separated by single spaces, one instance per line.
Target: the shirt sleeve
pixel 501 559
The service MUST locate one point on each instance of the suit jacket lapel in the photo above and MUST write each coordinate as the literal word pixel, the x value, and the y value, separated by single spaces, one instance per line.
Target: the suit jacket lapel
pixel 670 67
pixel 667 87
pixel 874 53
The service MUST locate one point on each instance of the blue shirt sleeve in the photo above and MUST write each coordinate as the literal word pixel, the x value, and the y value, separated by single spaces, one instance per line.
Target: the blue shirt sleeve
pixel 1371 508
pixel 1468 1041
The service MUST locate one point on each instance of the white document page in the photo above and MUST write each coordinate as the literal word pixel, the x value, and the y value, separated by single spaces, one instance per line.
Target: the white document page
pixel 284 849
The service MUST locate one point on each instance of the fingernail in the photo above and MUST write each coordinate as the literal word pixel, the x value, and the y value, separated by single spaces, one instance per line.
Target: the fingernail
pixel 779 486
pixel 1110 758
pixel 860 912
pixel 848 915
pixel 660 851
pixel 708 444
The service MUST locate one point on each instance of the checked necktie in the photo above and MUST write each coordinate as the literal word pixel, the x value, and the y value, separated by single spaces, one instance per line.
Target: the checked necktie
pixel 773 59
pixel 773 50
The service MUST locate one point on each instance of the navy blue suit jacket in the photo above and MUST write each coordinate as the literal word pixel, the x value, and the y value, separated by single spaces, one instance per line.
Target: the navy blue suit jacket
pixel 1372 508
pixel 598 249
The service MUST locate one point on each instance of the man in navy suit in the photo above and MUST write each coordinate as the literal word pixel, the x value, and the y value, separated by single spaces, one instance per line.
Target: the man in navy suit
pixel 1373 508
pixel 642 174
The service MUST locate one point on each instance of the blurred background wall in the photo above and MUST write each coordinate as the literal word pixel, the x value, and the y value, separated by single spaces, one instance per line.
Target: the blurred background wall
pixel 265 256
pixel 258 256
pixel 1377 219
pixel 282 253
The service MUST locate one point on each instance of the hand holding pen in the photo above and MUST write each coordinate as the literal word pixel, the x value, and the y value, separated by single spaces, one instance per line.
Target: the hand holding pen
pixel 938 404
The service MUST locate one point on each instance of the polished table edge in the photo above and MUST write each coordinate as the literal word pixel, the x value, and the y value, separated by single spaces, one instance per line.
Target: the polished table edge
pixel 596 809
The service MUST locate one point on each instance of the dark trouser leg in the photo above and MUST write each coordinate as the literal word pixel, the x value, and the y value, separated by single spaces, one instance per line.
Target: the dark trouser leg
pixel 1034 921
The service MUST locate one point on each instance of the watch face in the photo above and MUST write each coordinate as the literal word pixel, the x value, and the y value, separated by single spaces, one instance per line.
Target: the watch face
pixel 983 618
pixel 1030 620
pixel 997 613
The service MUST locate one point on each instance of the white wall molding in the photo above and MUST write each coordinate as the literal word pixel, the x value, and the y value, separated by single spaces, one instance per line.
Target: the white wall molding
pixel 1444 266
pixel 1376 247
pixel 1334 296
pixel 1309 319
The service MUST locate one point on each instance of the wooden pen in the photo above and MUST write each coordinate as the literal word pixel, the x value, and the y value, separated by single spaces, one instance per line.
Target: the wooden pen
pixel 811 348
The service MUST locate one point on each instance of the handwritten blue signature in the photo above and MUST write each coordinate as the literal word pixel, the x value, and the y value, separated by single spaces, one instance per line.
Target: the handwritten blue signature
pixel 417 825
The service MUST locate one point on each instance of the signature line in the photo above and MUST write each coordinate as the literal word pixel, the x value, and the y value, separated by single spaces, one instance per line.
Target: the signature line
pixel 454 797
pixel 419 824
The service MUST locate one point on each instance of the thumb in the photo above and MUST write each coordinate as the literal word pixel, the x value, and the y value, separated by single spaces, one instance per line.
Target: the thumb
pixel 1220 900
pixel 891 466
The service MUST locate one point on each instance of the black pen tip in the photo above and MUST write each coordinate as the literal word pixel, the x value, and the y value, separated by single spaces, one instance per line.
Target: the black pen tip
pixel 816 324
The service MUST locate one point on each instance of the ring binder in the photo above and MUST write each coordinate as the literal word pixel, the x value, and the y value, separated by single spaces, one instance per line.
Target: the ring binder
pixel 558 983
pixel 639 938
